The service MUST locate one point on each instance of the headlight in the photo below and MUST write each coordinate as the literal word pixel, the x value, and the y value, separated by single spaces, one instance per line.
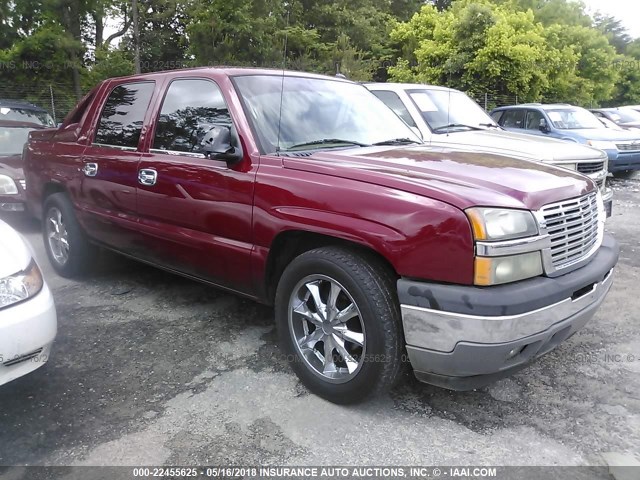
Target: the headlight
pixel 602 145
pixel 21 286
pixel 7 186
pixel 497 270
pixel 501 224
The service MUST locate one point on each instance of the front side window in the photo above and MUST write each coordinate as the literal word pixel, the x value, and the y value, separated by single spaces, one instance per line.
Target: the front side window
pixel 533 120
pixel 190 109
pixel 123 114
pixel 300 113
pixel 573 119
pixel 393 101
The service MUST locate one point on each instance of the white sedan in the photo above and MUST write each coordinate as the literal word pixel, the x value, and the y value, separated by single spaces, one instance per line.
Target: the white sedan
pixel 28 322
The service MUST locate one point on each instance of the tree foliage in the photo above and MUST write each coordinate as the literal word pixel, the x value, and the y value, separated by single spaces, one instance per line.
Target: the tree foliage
pixel 548 50
pixel 540 50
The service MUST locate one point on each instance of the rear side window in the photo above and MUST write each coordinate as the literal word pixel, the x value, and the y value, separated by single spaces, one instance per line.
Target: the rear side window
pixel 393 101
pixel 190 109
pixel 123 115
pixel 513 119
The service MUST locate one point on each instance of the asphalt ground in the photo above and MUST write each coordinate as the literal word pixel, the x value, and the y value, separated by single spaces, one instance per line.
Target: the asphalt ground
pixel 151 369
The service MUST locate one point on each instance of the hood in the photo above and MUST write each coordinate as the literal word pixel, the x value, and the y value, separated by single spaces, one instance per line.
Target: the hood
pixel 15 254
pixel 543 149
pixel 12 165
pixel 604 134
pixel 460 178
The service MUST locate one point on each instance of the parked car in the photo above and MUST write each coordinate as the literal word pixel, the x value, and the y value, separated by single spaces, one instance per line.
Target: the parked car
pixel 13 136
pixel 574 124
pixel 448 117
pixel 28 321
pixel 627 118
pixel 24 112
pixel 306 192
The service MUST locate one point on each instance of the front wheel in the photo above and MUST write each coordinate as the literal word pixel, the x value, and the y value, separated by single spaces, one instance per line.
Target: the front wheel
pixel 339 323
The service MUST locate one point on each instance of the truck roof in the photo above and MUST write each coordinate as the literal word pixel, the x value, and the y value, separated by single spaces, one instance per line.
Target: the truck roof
pixel 230 72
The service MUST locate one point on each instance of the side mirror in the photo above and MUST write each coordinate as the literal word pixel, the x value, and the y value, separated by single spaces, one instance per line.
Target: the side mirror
pixel 544 128
pixel 217 144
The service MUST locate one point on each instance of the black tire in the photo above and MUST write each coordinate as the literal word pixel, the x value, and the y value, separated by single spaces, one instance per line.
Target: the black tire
pixel 624 174
pixel 371 287
pixel 81 253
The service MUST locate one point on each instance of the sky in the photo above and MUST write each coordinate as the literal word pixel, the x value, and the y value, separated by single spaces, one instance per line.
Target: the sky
pixel 626 10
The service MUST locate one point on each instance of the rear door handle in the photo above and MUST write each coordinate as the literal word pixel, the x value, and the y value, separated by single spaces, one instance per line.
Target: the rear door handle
pixel 90 169
pixel 147 177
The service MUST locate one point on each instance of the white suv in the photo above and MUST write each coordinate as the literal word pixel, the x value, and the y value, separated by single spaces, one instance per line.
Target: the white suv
pixel 447 117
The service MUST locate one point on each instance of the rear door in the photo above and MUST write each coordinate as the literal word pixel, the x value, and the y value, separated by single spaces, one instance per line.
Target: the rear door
pixel 109 170
pixel 195 212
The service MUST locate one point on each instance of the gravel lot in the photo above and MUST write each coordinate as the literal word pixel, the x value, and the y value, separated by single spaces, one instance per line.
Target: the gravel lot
pixel 149 368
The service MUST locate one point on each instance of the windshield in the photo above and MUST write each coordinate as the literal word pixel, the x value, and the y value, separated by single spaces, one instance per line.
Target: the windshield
pixel 625 116
pixel 12 140
pixel 17 114
pixel 317 113
pixel 573 119
pixel 441 108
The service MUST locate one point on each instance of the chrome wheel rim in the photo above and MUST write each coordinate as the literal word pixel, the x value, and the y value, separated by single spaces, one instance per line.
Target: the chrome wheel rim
pixel 327 328
pixel 57 236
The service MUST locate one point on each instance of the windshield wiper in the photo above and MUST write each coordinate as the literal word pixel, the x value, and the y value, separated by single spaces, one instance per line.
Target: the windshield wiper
pixel 490 125
pixel 396 141
pixel 327 141
pixel 456 125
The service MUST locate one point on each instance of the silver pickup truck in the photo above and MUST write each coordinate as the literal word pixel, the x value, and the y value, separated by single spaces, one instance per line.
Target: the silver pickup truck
pixel 448 117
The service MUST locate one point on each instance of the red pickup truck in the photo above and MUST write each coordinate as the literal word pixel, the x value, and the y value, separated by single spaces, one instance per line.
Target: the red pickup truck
pixel 308 193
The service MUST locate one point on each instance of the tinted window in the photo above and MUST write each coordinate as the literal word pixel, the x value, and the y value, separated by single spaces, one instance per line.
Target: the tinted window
pixel 533 120
pixel 189 110
pixel 392 100
pixel 123 115
pixel 513 119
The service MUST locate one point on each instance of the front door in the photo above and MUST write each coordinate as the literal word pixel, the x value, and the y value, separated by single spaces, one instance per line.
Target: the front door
pixel 195 212
pixel 109 169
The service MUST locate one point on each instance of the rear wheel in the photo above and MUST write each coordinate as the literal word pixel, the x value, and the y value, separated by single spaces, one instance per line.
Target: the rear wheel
pixel 67 246
pixel 339 323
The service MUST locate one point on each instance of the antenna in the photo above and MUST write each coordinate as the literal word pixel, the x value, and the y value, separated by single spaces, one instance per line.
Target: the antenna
pixel 449 102
pixel 284 65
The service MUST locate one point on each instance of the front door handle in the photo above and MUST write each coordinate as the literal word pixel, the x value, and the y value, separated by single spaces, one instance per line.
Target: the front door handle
pixel 147 177
pixel 90 169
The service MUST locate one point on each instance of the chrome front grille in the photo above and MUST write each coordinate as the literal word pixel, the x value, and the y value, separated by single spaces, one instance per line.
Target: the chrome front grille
pixel 587 168
pixel 573 228
pixel 629 147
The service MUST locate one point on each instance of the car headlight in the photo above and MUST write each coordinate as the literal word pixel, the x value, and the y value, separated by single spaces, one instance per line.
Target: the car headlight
pixel 21 286
pixel 501 224
pixel 491 224
pixel 7 186
pixel 602 145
